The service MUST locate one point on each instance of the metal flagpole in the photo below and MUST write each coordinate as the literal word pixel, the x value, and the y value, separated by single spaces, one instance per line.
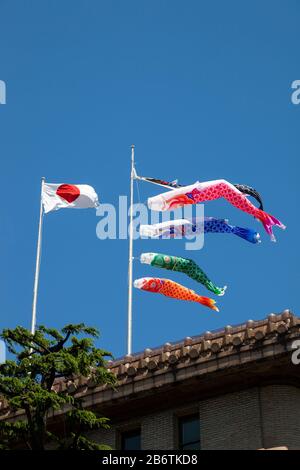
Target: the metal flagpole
pixel 129 320
pixel 37 264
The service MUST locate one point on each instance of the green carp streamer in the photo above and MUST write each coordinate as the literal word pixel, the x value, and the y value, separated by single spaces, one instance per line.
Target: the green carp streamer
pixel 183 265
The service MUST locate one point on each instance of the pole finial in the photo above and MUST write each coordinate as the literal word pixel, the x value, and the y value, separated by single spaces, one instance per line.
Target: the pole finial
pixel 132 146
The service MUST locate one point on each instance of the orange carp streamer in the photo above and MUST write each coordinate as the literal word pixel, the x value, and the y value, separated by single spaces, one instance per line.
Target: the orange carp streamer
pixel 173 289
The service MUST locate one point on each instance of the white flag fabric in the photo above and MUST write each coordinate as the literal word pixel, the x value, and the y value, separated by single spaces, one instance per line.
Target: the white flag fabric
pixel 68 196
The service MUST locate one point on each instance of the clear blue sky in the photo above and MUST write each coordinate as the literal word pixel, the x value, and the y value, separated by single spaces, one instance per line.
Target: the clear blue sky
pixel 203 91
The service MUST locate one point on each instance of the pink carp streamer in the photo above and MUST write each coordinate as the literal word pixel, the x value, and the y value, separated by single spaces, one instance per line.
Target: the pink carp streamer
pixel 173 289
pixel 209 191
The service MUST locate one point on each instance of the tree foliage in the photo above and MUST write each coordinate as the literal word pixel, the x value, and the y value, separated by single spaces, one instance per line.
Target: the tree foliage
pixel 29 386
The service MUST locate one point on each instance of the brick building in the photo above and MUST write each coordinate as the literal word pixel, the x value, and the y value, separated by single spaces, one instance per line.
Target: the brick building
pixel 235 388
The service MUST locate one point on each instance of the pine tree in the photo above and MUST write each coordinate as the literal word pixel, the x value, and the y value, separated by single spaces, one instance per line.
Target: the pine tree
pixel 28 386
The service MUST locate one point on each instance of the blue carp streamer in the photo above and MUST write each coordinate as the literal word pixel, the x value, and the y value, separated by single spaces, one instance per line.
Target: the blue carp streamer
pixel 186 228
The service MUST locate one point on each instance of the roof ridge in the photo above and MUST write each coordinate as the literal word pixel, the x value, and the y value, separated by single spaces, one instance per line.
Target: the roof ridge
pixel 214 334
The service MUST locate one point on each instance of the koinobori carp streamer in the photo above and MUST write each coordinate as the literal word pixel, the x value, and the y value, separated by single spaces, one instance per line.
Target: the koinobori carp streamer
pixel 244 188
pixel 186 228
pixel 183 265
pixel 173 289
pixel 209 191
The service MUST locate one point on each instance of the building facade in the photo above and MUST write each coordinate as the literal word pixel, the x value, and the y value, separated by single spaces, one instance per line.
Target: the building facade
pixel 236 388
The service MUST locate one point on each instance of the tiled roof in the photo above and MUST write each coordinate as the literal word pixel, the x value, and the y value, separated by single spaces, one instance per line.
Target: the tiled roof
pixel 204 348
pixel 222 342
pixel 193 357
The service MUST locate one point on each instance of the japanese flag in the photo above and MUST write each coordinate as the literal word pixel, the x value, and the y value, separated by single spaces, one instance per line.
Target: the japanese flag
pixel 72 196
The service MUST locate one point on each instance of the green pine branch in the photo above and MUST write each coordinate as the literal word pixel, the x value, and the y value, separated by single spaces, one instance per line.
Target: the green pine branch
pixel 27 385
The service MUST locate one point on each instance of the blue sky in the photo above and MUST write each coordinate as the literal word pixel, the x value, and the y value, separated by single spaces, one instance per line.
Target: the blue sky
pixel 203 89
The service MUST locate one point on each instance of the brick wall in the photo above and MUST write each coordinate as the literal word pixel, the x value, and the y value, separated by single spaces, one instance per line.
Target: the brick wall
pixel 251 419
pixel 231 421
pixel 158 431
pixel 105 436
pixel 281 416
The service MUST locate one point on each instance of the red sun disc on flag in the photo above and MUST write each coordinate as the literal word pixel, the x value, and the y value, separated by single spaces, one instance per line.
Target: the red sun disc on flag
pixel 68 192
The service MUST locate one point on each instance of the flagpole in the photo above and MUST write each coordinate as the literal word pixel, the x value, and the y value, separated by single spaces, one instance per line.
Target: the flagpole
pixel 37 264
pixel 129 319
